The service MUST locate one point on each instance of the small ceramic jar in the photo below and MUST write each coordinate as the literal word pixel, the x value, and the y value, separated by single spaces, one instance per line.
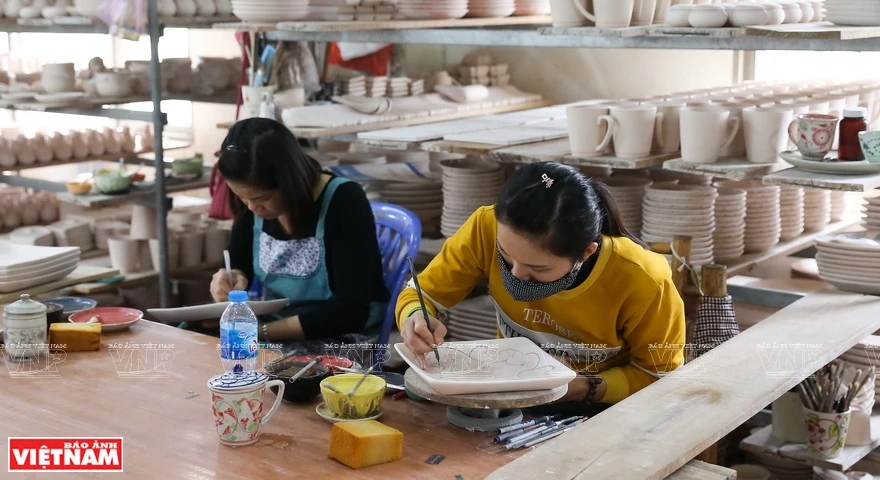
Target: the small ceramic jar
pixel 793 12
pixel 747 15
pixel 25 329
pixel 806 11
pixel 775 13
pixel 707 16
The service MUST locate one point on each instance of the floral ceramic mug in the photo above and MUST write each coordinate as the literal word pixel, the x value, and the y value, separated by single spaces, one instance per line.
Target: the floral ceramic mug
pixel 237 401
pixel 826 432
pixel 813 134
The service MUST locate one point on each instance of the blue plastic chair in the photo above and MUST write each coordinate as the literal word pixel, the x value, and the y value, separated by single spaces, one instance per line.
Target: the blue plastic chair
pixel 399 232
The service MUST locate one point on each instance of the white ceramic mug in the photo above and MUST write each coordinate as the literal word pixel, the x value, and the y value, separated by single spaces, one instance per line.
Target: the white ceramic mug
pixel 704 132
pixel 643 12
pixel 588 132
pixel 766 132
pixel 632 129
pixel 667 138
pixel 608 13
pixel 564 13
pixel 237 402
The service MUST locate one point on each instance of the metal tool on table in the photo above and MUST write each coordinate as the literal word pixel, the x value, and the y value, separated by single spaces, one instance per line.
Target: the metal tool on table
pixel 415 278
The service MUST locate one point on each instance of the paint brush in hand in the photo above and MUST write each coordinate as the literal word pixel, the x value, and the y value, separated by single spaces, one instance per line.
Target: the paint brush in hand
pixel 412 270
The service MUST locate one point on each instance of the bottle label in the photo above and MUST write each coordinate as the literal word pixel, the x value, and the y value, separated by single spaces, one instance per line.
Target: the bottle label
pixel 239 342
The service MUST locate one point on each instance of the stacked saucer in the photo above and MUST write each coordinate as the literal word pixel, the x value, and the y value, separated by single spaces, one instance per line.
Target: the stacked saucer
pixel 377 86
pixel 628 193
pixel 356 86
pixel 791 211
pixel 24 266
pixel 532 7
pixel 850 261
pixel 467 185
pixel 838 206
pixel 424 199
pixel 432 9
pixel 398 87
pixel 669 210
pixel 763 225
pixel 491 8
pixel 817 209
pixel 866 354
pixel 270 10
pixel 730 224
pixel 472 319
pixel 871 209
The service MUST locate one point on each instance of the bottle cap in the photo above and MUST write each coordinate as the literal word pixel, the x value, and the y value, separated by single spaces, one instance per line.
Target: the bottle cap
pixel 238 296
pixel 855 112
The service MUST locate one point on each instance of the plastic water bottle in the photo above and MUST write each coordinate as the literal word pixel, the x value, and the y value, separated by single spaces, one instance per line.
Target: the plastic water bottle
pixel 238 334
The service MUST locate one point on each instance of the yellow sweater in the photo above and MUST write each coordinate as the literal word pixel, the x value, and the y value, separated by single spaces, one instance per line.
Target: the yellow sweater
pixel 625 321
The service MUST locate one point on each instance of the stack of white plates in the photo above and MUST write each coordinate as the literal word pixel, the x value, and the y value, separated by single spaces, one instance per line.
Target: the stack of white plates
pixel 432 9
pixel 838 205
pixel 467 185
pixel 270 11
pixel 377 86
pixel 532 7
pixel 628 193
pixel 682 178
pixel 866 354
pixel 763 225
pixel 669 210
pixel 491 8
pixel 398 87
pixel 817 209
pixel 782 468
pixel 850 261
pixel 356 86
pixel 425 199
pixel 730 224
pixel 24 266
pixel 871 220
pixel 472 319
pixel 791 211
pixel 852 12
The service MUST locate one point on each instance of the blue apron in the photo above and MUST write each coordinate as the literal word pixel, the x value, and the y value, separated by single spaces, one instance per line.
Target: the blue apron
pixel 297 269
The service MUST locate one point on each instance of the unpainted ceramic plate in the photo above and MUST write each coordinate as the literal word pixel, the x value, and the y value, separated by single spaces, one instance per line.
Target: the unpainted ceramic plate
pixel 211 311
pixel 830 165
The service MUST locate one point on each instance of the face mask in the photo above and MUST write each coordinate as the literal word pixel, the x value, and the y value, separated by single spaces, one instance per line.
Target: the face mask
pixel 530 290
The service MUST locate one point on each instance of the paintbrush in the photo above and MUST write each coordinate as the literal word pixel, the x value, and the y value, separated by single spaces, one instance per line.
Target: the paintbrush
pixel 303 370
pixel 412 270
pixel 358 385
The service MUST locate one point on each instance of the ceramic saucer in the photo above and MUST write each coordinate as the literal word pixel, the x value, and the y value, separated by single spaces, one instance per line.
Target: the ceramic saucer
pixel 324 411
pixel 112 319
pixel 829 165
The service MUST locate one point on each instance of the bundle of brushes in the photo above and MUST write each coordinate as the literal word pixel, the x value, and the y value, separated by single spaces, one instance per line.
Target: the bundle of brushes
pixel 828 392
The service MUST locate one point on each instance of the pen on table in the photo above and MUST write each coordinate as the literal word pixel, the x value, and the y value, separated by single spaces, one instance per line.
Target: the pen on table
pixel 505 436
pixel 517 442
pixel 555 434
pixel 228 268
pixel 412 270
pixel 522 425
pixel 530 433
pixel 514 430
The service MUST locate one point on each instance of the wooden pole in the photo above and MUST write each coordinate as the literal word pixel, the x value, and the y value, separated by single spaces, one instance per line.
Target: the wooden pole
pixel 713 280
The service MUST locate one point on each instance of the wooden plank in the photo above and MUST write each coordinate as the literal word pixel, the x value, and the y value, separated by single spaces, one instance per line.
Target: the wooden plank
pixel 138 278
pixel 749 261
pixel 348 26
pixel 595 32
pixel 734 168
pixel 82 274
pixel 697 470
pixel 814 31
pixel 763 442
pixel 465 148
pixel 389 144
pixel 622 163
pixel 841 183
pixel 665 31
pixel 552 150
pixel 705 399
pixel 101 200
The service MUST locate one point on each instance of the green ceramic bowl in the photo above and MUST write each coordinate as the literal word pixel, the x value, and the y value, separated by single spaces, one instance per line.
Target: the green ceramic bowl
pixel 113 182
pixel 870 142
pixel 188 166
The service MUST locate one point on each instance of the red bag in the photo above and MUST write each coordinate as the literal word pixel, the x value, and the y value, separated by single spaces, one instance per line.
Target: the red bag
pixel 219 196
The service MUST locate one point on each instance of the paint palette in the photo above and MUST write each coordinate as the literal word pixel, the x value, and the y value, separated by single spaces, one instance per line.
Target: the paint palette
pixel 489 366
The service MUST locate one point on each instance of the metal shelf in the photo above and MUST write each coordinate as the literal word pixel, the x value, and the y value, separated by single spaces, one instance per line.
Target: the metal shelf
pixel 46 26
pixel 105 112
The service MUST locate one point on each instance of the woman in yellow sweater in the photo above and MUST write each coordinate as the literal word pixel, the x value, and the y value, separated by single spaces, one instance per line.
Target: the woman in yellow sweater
pixel 565 273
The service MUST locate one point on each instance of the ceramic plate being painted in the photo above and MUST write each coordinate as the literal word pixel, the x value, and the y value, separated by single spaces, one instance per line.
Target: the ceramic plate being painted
pixel 211 311
pixel 489 366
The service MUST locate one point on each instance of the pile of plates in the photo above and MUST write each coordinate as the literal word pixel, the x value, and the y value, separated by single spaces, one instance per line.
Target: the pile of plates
pixel 377 86
pixel 398 87
pixel 472 319
pixel 850 261
pixel 871 209
pixel 467 185
pixel 763 224
pixel 491 8
pixel 791 211
pixel 270 11
pixel 782 468
pixel 817 209
pixel 628 193
pixel 424 199
pixel 432 9
pixel 838 206
pixel 730 224
pixel 24 266
pixel 866 354
pixel 356 86
pixel 852 12
pixel 669 210
pixel 532 7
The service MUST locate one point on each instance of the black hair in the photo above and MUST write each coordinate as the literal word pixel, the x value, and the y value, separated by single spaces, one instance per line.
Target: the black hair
pixel 560 207
pixel 263 153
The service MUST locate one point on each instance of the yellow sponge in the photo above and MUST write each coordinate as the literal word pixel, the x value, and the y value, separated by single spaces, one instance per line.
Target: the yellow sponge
pixel 363 444
pixel 75 337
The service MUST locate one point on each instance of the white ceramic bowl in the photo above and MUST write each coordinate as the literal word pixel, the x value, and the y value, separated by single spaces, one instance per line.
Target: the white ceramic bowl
pixel 747 15
pixel 707 16
pixel 113 84
pixel 677 16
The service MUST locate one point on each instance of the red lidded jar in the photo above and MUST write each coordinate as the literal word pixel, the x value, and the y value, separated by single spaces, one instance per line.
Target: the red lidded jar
pixel 854 121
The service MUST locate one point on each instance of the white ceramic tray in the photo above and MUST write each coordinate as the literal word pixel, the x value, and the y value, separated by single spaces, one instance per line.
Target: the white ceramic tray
pixel 211 311
pixel 14 286
pixel 831 166
pixel 14 255
pixel 490 366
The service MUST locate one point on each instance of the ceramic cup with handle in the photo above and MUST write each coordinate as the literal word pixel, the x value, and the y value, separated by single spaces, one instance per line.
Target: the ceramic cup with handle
pixel 564 13
pixel 667 137
pixel 705 130
pixel 588 132
pixel 632 129
pixel 608 13
pixel 813 134
pixel 237 401
pixel 764 129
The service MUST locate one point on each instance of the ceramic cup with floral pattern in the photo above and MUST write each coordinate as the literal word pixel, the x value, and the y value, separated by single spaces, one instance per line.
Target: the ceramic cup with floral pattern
pixel 813 134
pixel 237 401
pixel 826 432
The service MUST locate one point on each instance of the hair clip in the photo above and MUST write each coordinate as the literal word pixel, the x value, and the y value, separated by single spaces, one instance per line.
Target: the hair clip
pixel 233 148
pixel 547 181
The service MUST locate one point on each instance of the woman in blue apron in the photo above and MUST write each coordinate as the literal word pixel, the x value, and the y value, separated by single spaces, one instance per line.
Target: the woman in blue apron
pixel 307 236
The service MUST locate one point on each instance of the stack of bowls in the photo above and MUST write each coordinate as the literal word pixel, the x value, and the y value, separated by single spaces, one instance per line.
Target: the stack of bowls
pixel 670 210
pixel 871 209
pixel 467 185
pixel 763 224
pixel 532 7
pixel 424 199
pixel 628 193
pixel 791 211
pixel 58 77
pixel 817 209
pixel 730 224
pixel 850 261
pixel 838 206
